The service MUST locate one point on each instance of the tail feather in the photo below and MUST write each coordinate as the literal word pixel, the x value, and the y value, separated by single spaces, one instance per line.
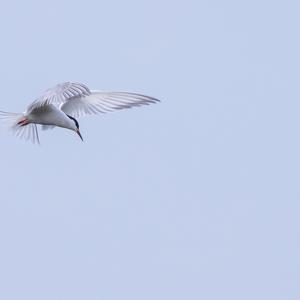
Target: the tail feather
pixel 12 120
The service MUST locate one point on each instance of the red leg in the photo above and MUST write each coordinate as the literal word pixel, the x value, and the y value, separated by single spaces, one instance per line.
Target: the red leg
pixel 23 122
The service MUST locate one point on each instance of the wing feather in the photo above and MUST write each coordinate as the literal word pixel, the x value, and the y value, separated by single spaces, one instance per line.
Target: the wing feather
pixel 103 102
pixel 76 100
pixel 60 94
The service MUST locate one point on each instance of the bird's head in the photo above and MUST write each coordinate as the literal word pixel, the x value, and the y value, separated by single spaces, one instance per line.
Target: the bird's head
pixel 76 126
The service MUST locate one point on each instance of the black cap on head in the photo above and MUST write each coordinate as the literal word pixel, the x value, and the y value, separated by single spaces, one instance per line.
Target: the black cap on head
pixel 75 121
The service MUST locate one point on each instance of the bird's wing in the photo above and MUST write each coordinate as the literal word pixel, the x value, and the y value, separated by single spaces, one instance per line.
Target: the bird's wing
pixel 60 94
pixel 102 102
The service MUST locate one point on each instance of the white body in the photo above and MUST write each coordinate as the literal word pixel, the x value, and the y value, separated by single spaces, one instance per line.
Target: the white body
pixel 50 115
pixel 60 105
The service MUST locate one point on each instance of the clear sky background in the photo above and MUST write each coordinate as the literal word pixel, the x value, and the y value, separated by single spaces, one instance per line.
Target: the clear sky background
pixel 194 198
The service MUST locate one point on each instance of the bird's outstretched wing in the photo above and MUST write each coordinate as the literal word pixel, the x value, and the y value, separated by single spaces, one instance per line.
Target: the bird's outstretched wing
pixel 102 102
pixel 60 94
pixel 76 100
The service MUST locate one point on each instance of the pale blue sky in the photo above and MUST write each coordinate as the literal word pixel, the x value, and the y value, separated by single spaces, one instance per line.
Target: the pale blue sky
pixel 194 198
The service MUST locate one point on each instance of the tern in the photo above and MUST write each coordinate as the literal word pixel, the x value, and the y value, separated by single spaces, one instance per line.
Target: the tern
pixel 61 106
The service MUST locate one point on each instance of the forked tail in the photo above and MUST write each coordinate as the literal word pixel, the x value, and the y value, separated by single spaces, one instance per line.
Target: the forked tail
pixel 17 123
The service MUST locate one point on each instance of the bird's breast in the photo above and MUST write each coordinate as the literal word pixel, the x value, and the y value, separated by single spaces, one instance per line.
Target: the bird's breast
pixel 52 117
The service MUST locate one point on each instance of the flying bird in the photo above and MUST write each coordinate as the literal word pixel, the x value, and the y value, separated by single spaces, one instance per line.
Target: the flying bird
pixel 61 106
